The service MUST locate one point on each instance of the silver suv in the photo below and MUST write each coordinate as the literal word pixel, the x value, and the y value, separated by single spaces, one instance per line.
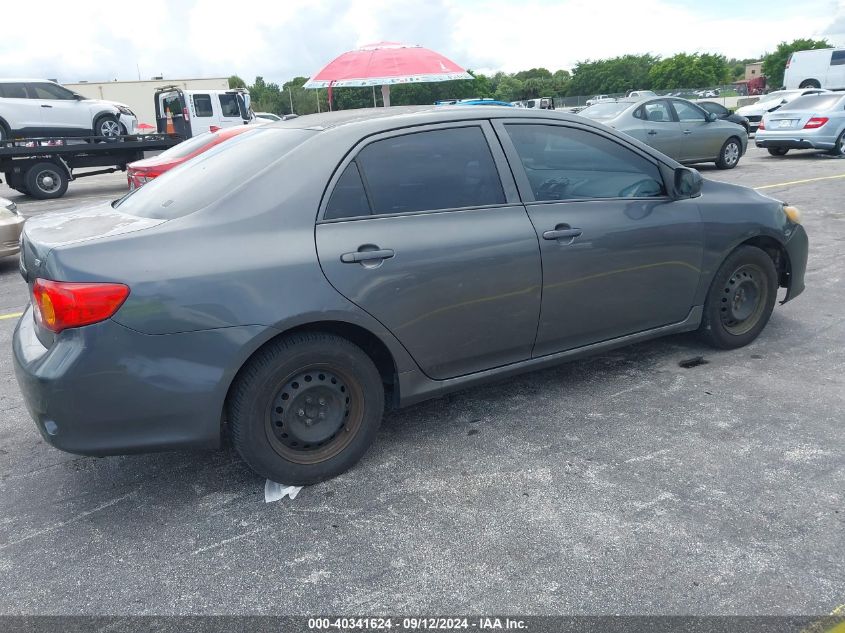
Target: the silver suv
pixel 31 108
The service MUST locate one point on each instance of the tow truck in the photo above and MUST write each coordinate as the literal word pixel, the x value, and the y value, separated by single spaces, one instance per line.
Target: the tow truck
pixel 43 167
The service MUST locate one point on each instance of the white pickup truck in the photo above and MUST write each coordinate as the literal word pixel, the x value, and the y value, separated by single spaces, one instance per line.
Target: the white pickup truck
pixel 192 112
pixel 599 99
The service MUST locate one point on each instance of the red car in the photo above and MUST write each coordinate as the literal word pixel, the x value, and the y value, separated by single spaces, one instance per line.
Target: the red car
pixel 143 171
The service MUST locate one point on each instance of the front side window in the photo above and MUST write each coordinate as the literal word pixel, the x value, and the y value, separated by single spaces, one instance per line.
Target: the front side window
pixel 837 58
pixel 202 105
pixel 49 91
pixel 229 105
pixel 427 171
pixel 13 91
pixel 688 112
pixel 714 108
pixel 564 163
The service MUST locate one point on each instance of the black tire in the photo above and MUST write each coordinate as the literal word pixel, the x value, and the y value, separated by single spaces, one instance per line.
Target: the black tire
pixel 810 83
pixel 730 321
pixel 778 151
pixel 305 408
pixel 839 146
pixel 5 134
pixel 46 180
pixel 730 154
pixel 107 126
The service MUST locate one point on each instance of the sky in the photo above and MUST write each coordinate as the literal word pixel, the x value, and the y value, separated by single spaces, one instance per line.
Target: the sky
pixel 281 39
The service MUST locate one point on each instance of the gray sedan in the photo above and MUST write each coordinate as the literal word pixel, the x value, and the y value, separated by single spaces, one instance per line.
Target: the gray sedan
pixel 811 122
pixel 289 282
pixel 677 127
pixel 11 225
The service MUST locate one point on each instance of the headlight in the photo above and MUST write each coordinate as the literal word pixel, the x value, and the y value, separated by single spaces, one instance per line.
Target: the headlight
pixel 793 214
pixel 125 110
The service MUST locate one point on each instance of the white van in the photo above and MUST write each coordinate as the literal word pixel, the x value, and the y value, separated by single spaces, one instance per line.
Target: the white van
pixel 823 68
pixel 193 112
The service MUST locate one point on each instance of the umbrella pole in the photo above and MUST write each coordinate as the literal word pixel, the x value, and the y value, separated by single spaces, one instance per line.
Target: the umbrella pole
pixel 385 96
pixel 375 103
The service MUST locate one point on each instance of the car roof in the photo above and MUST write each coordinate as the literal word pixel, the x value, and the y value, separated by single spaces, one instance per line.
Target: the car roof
pixel 400 116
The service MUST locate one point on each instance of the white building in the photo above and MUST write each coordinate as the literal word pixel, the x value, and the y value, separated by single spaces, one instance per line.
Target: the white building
pixel 139 95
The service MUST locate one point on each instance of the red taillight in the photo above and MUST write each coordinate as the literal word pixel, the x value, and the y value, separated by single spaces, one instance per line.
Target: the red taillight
pixel 815 123
pixel 185 113
pixel 61 305
pixel 214 128
pixel 761 126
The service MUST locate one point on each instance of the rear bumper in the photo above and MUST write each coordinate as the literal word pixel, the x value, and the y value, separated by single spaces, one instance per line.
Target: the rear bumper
pixel 105 389
pixel 797 248
pixel 767 139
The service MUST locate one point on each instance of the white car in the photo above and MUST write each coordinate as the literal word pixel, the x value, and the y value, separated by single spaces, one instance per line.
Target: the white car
pixel 821 68
pixel 641 94
pixel 599 99
pixel 32 108
pixel 268 115
pixel 771 102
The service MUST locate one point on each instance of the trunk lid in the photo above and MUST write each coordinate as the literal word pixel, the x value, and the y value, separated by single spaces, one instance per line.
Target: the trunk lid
pixel 787 120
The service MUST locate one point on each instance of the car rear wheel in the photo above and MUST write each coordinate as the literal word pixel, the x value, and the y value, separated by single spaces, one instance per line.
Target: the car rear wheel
pixel 778 151
pixel 810 83
pixel 108 127
pixel 839 146
pixel 729 154
pixel 741 299
pixel 46 180
pixel 305 408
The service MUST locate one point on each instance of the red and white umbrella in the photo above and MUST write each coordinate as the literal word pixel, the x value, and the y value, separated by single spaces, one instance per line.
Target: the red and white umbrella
pixel 385 64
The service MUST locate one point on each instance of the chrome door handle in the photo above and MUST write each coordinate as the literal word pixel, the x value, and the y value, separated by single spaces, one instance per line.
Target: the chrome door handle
pixel 652 132
pixel 558 234
pixel 44 105
pixel 687 132
pixel 366 256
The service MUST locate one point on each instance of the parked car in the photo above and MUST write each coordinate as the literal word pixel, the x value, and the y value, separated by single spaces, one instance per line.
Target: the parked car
pixel 641 94
pixel 811 122
pixel 543 103
pixel 32 108
pixel 11 224
pixel 263 286
pixel 771 102
pixel 823 68
pixel 143 171
pixel 192 112
pixel 677 127
pixel 269 116
pixel 599 99
pixel 483 102
pixel 724 114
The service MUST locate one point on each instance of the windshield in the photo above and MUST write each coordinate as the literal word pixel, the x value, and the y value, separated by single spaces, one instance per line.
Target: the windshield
pixel 212 175
pixel 816 103
pixel 779 94
pixel 606 110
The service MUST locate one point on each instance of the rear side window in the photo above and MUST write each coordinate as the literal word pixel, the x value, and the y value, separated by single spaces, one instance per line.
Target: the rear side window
pixel 426 171
pixel 349 198
pixel 229 105
pixel 564 163
pixel 13 91
pixel 657 112
pixel 838 58
pixel 202 105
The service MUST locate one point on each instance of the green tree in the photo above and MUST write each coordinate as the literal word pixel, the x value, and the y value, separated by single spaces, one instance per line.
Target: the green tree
pixel 685 70
pixel 509 89
pixel 774 64
pixel 236 82
pixel 615 75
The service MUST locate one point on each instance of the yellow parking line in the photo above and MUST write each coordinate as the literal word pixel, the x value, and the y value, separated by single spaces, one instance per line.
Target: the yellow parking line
pixel 800 182
pixel 12 315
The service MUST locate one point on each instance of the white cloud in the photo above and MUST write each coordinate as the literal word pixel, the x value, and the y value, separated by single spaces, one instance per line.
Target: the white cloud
pixel 88 39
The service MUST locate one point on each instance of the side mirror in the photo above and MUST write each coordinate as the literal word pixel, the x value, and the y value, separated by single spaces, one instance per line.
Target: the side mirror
pixel 687 182
pixel 711 117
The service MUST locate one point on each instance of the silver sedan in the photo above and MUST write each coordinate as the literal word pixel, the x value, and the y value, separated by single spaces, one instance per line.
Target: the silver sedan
pixel 677 127
pixel 11 225
pixel 811 122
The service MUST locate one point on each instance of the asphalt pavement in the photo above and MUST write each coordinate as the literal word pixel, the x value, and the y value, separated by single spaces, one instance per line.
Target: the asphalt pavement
pixel 634 482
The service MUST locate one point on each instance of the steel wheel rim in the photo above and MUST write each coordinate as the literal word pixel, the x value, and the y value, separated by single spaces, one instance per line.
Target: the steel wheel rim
pixel 744 298
pixel 109 128
pixel 48 181
pixel 292 420
pixel 731 153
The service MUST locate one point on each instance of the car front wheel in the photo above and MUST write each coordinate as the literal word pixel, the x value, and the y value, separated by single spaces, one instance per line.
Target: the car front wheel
pixel 741 299
pixel 305 408
pixel 107 127
pixel 839 146
pixel 729 154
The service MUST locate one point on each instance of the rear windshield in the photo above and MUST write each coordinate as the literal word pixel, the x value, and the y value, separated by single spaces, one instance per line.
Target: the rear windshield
pixel 817 103
pixel 779 94
pixel 198 182
pixel 605 110
pixel 187 147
